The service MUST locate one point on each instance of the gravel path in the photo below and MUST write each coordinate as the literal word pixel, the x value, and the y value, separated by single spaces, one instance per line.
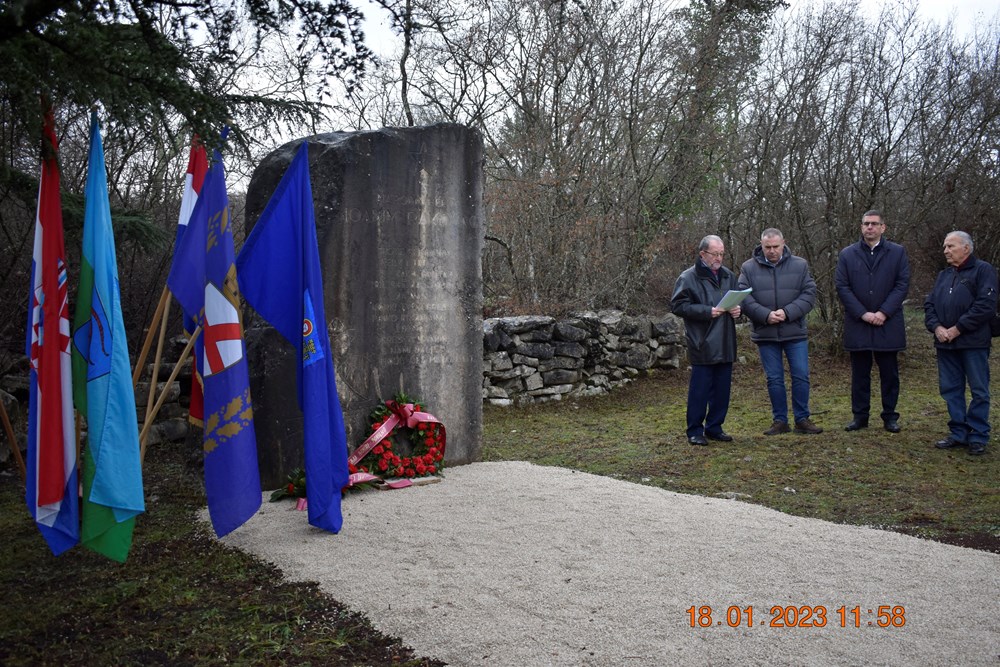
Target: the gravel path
pixel 518 564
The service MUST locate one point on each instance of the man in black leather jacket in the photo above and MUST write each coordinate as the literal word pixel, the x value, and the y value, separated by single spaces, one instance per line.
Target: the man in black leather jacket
pixel 711 339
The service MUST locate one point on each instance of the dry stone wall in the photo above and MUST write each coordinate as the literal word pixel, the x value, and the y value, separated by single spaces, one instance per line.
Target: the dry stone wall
pixel 533 358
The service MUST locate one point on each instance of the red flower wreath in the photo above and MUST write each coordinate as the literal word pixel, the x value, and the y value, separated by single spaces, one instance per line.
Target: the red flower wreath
pixel 427 442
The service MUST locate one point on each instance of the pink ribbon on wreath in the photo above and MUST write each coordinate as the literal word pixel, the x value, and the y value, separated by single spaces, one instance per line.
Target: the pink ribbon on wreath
pixel 408 416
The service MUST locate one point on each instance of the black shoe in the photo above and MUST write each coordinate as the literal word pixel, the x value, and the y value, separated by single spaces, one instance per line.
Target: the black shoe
pixel 697 440
pixel 892 426
pixel 857 424
pixel 977 448
pixel 948 443
pixel 721 436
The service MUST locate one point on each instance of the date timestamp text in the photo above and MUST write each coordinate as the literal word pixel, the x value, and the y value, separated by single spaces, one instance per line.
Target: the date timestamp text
pixel 798 616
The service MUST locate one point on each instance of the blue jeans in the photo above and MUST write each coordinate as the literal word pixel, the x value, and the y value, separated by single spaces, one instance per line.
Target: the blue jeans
pixel 956 368
pixel 708 398
pixel 797 352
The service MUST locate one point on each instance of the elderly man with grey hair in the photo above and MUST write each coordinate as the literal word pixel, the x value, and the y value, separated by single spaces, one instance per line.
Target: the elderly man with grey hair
pixel 958 312
pixel 711 339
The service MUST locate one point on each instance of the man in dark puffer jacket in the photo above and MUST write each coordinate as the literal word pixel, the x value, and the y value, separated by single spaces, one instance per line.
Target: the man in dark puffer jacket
pixel 958 312
pixel 783 294
pixel 711 339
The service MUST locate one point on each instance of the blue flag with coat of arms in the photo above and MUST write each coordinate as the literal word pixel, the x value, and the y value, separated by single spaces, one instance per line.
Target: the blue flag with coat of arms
pixel 280 277
pixel 203 279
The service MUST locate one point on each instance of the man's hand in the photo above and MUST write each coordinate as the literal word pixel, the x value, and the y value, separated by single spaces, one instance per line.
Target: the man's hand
pixel 946 335
pixel 875 319
pixel 735 311
pixel 776 316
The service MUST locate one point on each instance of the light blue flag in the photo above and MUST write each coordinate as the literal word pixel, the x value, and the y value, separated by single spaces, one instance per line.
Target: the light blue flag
pixel 280 277
pixel 112 471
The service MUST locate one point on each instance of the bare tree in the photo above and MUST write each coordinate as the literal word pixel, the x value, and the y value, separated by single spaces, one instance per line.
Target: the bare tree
pixel 849 113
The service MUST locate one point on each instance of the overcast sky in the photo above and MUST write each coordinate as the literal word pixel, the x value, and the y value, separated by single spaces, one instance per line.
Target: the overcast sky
pixel 968 14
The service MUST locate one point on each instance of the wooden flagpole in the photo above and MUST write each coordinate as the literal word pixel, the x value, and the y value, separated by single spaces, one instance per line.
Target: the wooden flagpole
pixel 140 362
pixel 13 442
pixel 150 416
pixel 155 376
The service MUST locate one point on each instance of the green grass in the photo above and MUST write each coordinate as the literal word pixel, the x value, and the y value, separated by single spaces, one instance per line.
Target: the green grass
pixel 871 477
pixel 180 599
pixel 184 599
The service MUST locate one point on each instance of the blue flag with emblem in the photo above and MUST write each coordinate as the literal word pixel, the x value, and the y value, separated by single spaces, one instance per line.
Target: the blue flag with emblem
pixel 280 277
pixel 203 279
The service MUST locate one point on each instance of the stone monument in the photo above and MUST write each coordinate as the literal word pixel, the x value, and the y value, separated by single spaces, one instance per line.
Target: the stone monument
pixel 399 223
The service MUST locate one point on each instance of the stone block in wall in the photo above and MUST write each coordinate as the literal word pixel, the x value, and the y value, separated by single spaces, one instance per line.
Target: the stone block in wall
pixel 496 392
pixel 523 323
pixel 572 349
pixel 533 381
pixel 669 329
pixel 494 336
pixel 670 352
pixel 610 318
pixel 513 386
pixel 637 356
pixel 500 361
pixel 584 391
pixel 599 380
pixel 672 362
pixel 166 369
pixel 536 350
pixel 629 328
pixel 142 393
pixel 515 372
pixel 501 402
pixel 167 411
pixel 16 384
pixel 561 376
pixel 521 360
pixel 568 332
pixel 551 391
pixel 587 321
pixel 560 362
pixel 539 335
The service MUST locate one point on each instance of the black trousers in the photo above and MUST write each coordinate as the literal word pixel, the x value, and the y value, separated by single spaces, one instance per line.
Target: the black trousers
pixel 861 383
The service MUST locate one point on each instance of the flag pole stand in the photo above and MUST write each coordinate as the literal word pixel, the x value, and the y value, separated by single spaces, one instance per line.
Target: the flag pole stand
pixel 151 415
pixel 78 430
pixel 154 377
pixel 160 307
pixel 13 442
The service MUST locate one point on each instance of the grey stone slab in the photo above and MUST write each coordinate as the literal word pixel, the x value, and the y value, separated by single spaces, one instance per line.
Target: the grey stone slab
pixel 400 229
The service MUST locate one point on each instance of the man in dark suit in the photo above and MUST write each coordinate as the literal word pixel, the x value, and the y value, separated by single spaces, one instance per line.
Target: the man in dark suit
pixel 872 279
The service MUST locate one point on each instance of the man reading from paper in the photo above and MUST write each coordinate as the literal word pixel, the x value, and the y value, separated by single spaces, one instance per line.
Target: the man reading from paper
pixel 711 340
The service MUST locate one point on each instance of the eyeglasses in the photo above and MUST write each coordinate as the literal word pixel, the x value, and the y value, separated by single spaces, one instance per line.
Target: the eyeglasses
pixel 720 255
